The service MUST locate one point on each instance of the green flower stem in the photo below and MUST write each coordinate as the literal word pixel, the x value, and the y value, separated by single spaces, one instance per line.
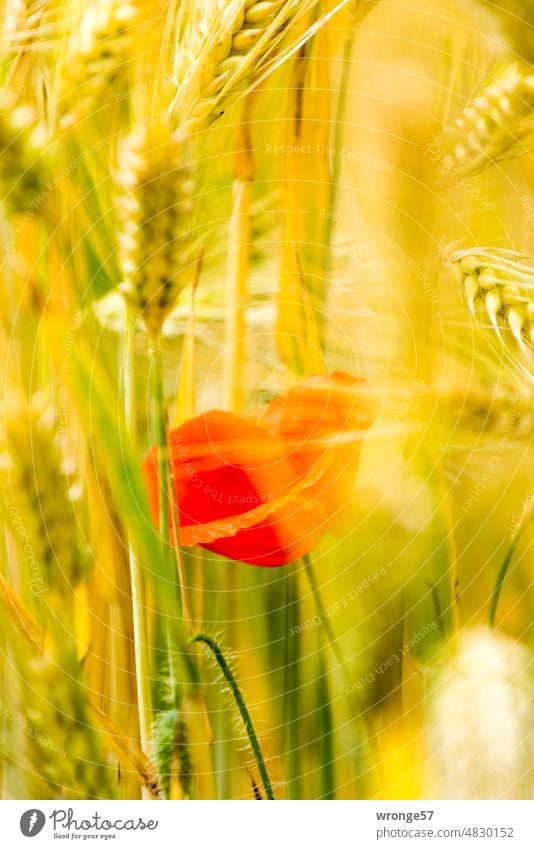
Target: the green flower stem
pixel 172 614
pixel 325 724
pixel 223 749
pixel 243 710
pixel 329 631
pixel 324 707
pixel 159 431
pixel 292 684
pixel 137 578
pixel 354 705
pixel 503 571
pixel 187 610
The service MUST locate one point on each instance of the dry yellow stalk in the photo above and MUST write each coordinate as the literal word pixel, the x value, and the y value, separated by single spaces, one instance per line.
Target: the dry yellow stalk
pixel 155 209
pixel 238 269
pixel 186 407
pixel 361 8
pixel 20 613
pixel 306 189
pixel 129 750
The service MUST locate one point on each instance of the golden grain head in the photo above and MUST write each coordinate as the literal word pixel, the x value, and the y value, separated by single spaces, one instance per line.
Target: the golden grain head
pixel 28 23
pixel 155 206
pixel 109 36
pixel 497 124
pixel 223 48
pixel 39 494
pixel 503 285
pixel 54 714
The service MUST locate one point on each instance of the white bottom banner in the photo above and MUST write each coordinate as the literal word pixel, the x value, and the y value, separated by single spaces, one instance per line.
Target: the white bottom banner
pixel 246 825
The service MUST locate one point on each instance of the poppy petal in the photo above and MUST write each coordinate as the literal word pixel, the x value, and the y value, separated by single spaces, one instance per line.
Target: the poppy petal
pixel 312 417
pixel 266 493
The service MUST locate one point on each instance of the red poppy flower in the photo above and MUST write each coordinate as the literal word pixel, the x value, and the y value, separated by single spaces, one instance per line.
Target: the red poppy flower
pixel 265 493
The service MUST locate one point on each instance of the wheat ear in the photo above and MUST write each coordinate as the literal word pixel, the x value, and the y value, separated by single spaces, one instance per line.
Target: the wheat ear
pixel 109 36
pixel 155 208
pixel 53 708
pixel 39 494
pixel 496 125
pixel 227 46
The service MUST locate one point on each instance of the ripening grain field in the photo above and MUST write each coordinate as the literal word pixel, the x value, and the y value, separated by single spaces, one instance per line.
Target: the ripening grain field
pixel 267 399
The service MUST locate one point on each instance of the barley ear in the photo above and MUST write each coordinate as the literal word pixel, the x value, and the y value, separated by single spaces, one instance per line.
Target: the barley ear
pixel 499 287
